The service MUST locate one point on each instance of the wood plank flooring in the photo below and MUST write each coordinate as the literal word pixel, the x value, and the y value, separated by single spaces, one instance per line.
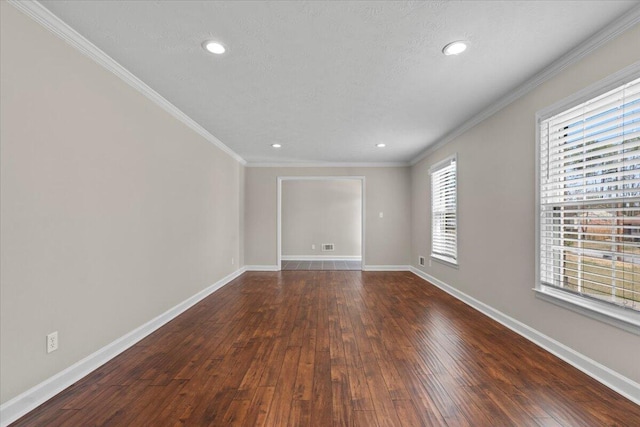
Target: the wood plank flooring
pixel 334 348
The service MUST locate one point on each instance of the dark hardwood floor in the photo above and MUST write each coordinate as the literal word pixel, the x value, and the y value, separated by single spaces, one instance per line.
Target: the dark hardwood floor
pixel 336 348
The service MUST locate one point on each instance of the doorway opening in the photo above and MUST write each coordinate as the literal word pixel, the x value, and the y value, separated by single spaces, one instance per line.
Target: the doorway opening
pixel 321 222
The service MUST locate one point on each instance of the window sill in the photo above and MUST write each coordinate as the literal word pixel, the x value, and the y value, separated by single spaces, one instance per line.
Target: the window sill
pixel 444 260
pixel 626 319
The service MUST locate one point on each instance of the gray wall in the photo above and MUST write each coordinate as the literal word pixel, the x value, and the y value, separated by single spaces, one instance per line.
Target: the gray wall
pixel 112 211
pixel 387 190
pixel 496 193
pixel 321 211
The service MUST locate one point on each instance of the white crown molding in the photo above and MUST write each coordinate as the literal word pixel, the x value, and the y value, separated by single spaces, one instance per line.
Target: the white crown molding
pixel 610 378
pixel 328 165
pixel 44 17
pixel 37 395
pixel 600 38
pixel 612 81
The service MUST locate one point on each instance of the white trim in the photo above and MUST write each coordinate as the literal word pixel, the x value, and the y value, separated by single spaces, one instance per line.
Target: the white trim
pixel 600 38
pixel 51 22
pixel 452 262
pixel 362 180
pixel 262 268
pixel 279 222
pixel 320 258
pixel 620 317
pixel 443 163
pixel 327 165
pixel 386 268
pixel 363 239
pixel 611 314
pixel 610 378
pixel 40 393
pixel 321 178
pixel 54 24
pixel 608 83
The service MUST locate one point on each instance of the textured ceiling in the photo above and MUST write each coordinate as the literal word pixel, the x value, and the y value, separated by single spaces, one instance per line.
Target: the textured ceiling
pixel 329 80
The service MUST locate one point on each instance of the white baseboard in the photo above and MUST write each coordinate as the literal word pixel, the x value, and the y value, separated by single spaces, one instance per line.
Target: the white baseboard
pixel 261 268
pixel 35 396
pixel 386 268
pixel 610 378
pixel 321 258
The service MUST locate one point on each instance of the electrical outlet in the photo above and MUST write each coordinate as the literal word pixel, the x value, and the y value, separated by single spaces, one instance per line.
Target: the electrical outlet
pixel 313 246
pixel 381 214
pixel 52 342
pixel 233 261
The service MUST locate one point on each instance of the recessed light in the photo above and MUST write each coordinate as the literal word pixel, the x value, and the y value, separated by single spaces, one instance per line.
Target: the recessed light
pixel 455 48
pixel 213 47
pixel 381 145
pixel 276 145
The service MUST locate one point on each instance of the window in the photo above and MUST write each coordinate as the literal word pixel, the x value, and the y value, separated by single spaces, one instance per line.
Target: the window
pixel 589 201
pixel 444 223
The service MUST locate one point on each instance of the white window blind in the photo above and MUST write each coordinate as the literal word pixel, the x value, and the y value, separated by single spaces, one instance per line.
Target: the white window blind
pixel 444 226
pixel 590 198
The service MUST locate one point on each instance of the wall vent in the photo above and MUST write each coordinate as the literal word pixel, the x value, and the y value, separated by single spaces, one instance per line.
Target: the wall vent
pixel 421 260
pixel 327 247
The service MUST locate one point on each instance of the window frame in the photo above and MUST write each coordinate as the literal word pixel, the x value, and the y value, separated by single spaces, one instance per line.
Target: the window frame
pixel 452 262
pixel 623 318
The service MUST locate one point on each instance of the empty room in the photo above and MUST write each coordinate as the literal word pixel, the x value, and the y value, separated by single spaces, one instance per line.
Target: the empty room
pixel 319 213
